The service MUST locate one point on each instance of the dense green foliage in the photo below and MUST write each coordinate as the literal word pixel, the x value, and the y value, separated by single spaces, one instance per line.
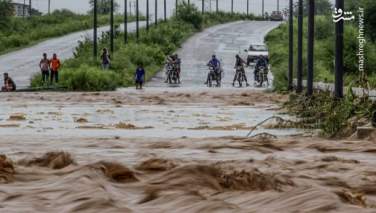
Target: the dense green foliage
pixel 103 6
pixel 277 41
pixel 17 32
pixel 6 10
pixel 150 50
pixel 333 117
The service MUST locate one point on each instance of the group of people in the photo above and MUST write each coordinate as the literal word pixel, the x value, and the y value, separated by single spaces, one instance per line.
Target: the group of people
pixel 50 68
pixel 139 73
pixel 215 64
pixel 49 71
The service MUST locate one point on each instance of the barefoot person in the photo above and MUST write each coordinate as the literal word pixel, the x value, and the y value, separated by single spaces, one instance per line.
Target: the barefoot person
pixel 9 85
pixel 140 76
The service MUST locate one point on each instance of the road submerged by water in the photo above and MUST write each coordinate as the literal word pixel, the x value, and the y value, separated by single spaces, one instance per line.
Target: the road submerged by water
pixel 176 149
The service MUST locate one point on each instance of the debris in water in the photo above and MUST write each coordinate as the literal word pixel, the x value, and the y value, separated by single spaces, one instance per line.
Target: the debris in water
pixel 7 171
pixel 156 164
pixel 81 120
pixel 353 198
pixel 17 117
pixel 116 172
pixel 52 160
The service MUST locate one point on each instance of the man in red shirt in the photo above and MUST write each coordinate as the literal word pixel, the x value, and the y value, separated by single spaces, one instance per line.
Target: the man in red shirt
pixel 55 66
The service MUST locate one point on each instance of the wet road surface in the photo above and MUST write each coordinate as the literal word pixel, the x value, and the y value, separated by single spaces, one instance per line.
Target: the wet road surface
pixel 225 41
pixel 23 64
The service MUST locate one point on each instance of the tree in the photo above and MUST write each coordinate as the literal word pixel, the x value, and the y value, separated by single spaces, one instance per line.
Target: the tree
pixel 6 10
pixel 104 6
pixel 322 7
pixel 370 18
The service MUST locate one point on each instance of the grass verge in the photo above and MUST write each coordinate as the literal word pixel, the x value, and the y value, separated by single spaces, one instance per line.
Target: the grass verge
pixel 83 73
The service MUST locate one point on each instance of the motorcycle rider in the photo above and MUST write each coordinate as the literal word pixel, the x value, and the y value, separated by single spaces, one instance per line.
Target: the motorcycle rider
pixel 239 62
pixel 216 64
pixel 169 61
pixel 174 61
pixel 261 62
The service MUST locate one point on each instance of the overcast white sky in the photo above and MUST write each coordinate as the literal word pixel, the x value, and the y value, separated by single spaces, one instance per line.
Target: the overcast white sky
pixel 82 6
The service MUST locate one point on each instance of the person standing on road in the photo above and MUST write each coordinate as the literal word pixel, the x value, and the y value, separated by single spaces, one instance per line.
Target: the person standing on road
pixel 44 66
pixel 9 85
pixel 140 76
pixel 55 66
pixel 106 59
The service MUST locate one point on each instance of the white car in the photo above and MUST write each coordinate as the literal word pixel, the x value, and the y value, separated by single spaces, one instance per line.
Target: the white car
pixel 255 51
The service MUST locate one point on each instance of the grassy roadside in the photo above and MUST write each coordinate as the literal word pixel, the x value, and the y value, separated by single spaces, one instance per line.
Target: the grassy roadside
pixel 20 33
pixel 335 118
pixel 277 41
pixel 82 73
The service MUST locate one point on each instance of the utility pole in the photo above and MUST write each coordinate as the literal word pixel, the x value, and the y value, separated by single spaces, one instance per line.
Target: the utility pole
pixel 277 5
pixel 216 6
pixel 95 35
pixel 147 15
pixel 49 7
pixel 338 89
pixel 310 47
pixel 137 22
pixel 30 8
pixel 23 9
pixel 299 87
pixel 112 27
pixel 203 6
pixel 291 46
pixel 165 10
pixel 156 12
pixel 125 22
pixel 263 8
pixel 176 7
pixel 247 7
pixel 232 6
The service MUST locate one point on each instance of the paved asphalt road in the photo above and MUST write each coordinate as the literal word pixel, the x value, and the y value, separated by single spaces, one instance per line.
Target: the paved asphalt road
pixel 225 41
pixel 24 63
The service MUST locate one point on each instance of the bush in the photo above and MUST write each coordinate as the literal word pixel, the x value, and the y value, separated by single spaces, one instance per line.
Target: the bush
pixel 277 41
pixel 189 13
pixel 332 116
pixel 150 50
pixel 21 32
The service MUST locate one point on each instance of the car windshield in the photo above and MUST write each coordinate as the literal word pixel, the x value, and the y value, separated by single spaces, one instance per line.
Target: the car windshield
pixel 257 48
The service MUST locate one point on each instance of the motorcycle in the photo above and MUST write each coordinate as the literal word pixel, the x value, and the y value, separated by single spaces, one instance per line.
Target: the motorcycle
pixel 214 75
pixel 240 75
pixel 172 73
pixel 261 76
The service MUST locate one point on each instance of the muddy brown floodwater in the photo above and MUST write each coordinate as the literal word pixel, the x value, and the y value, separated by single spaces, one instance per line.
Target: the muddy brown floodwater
pixel 111 168
pixel 167 149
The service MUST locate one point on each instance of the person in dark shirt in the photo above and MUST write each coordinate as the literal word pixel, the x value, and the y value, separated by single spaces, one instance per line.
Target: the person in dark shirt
pixel 106 59
pixel 9 85
pixel 140 76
